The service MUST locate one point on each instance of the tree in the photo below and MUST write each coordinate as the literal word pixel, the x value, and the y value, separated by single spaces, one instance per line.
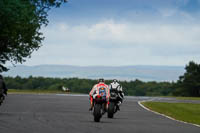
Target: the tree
pixel 20 24
pixel 189 83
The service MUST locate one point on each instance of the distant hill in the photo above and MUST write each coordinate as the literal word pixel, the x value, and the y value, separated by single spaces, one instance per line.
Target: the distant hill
pixel 145 73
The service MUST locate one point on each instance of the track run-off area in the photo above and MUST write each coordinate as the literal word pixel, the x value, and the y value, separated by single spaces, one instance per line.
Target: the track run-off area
pixel 57 113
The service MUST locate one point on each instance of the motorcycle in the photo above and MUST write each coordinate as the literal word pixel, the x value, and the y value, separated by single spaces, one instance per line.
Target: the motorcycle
pixel 99 108
pixel 112 106
pixel 2 97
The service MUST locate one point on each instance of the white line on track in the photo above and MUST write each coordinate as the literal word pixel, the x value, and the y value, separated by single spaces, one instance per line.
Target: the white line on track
pixel 139 102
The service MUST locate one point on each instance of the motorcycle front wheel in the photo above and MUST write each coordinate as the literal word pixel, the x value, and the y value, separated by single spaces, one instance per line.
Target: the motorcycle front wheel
pixel 111 109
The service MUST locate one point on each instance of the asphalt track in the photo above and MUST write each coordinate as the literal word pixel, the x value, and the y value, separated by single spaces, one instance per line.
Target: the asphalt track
pixel 26 113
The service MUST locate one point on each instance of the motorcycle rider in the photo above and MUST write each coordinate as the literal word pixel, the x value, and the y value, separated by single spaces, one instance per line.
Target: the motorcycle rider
pixel 3 88
pixel 96 90
pixel 115 86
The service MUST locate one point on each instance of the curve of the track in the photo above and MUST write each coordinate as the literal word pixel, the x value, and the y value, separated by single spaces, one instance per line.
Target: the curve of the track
pixel 25 113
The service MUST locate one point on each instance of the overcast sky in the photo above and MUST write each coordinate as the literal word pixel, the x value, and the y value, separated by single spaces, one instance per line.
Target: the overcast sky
pixel 121 32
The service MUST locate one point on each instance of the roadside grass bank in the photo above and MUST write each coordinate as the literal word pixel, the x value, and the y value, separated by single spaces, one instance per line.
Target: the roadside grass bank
pixel 182 98
pixel 18 91
pixel 187 112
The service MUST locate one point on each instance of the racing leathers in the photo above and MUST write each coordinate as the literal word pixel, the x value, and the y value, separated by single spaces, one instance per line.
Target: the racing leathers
pixel 118 89
pixel 96 90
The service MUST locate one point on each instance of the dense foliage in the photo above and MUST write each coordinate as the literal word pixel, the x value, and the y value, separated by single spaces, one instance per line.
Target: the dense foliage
pixel 189 83
pixel 20 24
pixel 137 88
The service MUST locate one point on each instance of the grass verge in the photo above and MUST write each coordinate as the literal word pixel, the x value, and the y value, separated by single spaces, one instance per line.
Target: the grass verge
pixel 33 91
pixel 187 112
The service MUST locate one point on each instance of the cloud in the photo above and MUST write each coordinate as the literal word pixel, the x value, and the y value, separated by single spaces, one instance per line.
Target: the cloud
pixel 125 33
pixel 118 43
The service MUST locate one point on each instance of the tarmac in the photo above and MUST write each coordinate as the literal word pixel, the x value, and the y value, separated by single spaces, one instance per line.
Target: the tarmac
pixel 54 113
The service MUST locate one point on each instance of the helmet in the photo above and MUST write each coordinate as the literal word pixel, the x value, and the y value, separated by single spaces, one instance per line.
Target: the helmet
pixel 115 80
pixel 101 80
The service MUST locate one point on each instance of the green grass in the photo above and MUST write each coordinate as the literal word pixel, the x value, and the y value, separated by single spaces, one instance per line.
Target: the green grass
pixel 187 112
pixel 28 91
pixel 33 91
pixel 182 98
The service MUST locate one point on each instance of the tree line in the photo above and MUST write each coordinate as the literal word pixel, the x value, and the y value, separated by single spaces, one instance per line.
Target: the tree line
pixel 76 85
pixel 187 85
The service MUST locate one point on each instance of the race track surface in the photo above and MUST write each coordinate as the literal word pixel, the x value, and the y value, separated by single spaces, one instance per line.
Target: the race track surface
pixel 26 113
